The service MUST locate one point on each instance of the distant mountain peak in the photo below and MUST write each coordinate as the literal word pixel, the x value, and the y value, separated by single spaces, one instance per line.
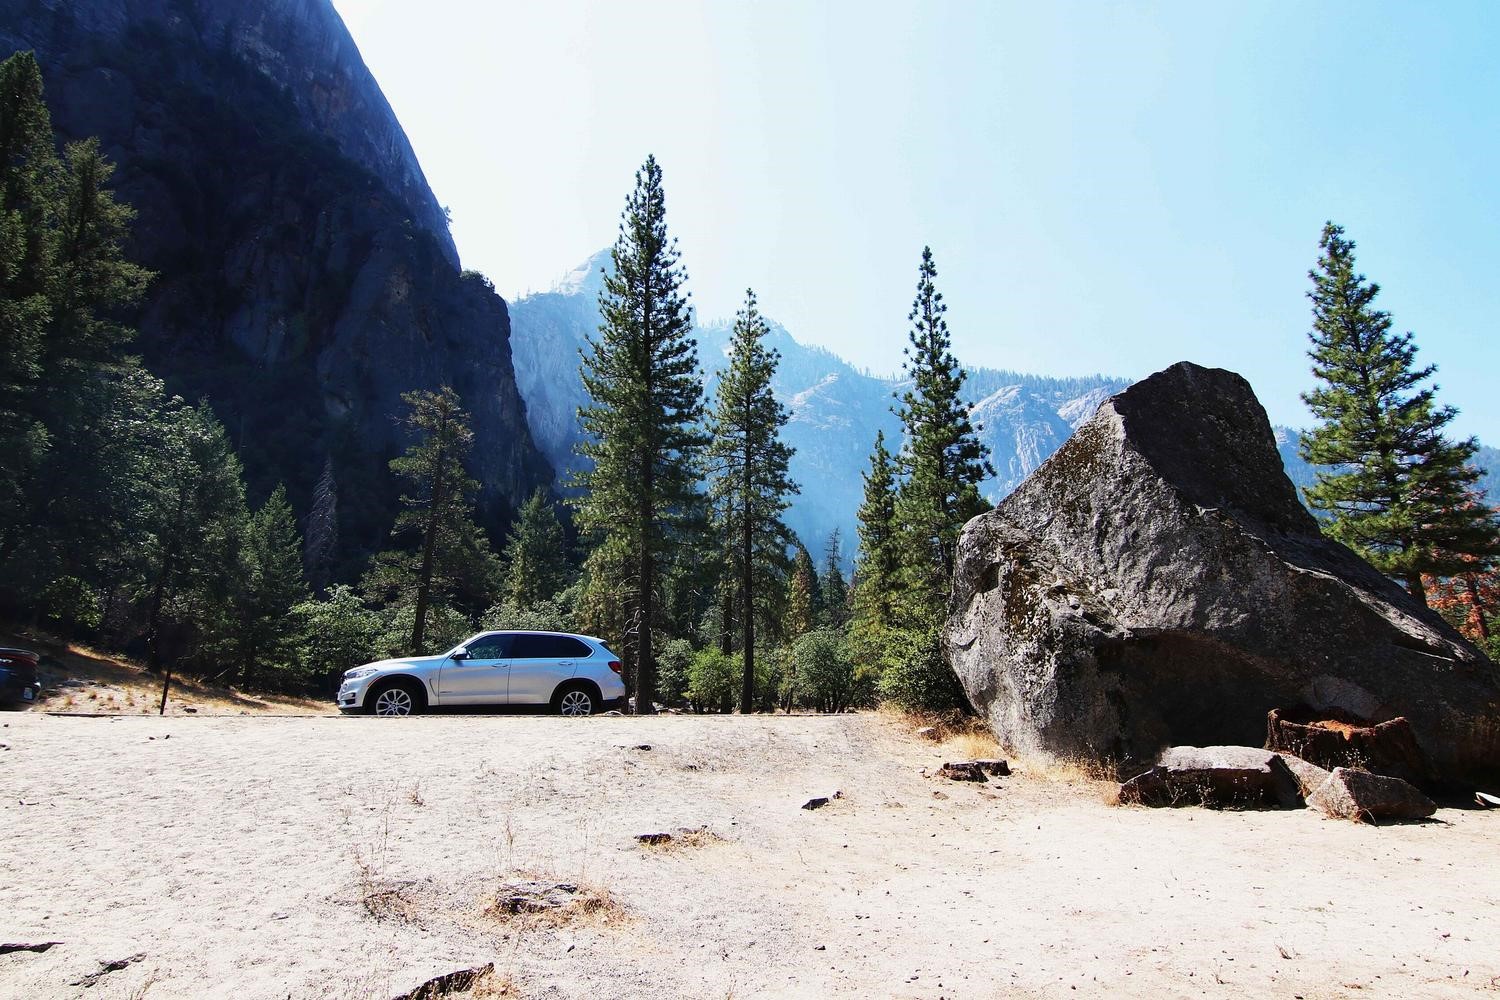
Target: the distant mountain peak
pixel 587 278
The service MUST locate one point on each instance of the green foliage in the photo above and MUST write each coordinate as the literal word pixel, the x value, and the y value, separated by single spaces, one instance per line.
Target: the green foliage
pixel 876 584
pixel 914 676
pixel 825 670
pixel 750 484
pixel 835 589
pixel 446 627
pixel 195 516
pixel 536 554
pixel 449 569
pixel 337 633
pixel 713 678
pixel 1398 492
pixel 642 431
pixel 942 457
pixel 674 671
pixel 804 596
pixel 72 606
pixel 270 584
pixel 538 616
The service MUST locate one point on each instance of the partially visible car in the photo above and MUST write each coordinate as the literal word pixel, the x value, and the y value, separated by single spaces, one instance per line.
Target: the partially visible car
pixel 18 678
pixel 573 674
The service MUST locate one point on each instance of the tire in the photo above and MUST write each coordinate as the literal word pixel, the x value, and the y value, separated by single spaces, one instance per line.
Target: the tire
pixel 396 698
pixel 575 700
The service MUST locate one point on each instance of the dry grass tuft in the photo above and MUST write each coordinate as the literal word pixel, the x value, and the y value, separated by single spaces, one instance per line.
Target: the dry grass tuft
pixel 527 903
pixel 684 840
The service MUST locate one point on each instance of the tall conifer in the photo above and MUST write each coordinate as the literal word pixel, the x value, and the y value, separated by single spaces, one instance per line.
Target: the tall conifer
pixel 943 458
pixel 1394 488
pixel 642 428
pixel 751 484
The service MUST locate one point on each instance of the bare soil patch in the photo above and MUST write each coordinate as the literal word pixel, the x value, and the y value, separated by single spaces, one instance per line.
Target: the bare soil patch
pixel 77 680
pixel 362 858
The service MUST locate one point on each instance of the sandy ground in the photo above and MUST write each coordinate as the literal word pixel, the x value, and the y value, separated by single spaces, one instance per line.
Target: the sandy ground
pixel 82 681
pixel 235 857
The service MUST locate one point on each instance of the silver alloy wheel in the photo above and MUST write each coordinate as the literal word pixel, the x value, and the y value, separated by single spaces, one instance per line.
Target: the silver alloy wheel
pixel 393 701
pixel 576 702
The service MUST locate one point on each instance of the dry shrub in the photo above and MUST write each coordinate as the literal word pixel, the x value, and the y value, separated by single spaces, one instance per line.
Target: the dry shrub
pixel 530 903
pixel 684 840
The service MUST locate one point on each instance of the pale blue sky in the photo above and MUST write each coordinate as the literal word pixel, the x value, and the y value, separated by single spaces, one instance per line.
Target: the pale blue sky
pixel 1106 186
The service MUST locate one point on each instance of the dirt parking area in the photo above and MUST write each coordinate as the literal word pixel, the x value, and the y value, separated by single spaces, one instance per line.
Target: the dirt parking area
pixel 266 857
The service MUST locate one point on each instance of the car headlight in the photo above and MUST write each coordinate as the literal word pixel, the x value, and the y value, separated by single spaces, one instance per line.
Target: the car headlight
pixel 358 672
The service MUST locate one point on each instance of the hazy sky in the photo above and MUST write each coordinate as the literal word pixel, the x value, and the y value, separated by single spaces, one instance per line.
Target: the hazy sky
pixel 1106 186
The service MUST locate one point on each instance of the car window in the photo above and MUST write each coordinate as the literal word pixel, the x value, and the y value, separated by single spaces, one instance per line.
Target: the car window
pixel 547 647
pixel 490 647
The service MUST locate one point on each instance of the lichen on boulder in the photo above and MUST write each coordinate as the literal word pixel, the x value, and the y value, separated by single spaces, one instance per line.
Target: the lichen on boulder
pixel 1156 582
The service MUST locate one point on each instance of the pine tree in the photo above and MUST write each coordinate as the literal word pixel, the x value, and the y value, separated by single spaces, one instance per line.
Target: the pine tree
pixel 536 554
pixel 802 602
pixel 641 430
pixel 29 207
pixel 270 585
pixel 943 459
pixel 452 560
pixel 750 482
pixel 1396 488
pixel 195 521
pixel 875 573
pixel 835 588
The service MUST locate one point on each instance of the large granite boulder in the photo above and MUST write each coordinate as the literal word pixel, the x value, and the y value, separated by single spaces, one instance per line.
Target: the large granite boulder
pixel 1156 582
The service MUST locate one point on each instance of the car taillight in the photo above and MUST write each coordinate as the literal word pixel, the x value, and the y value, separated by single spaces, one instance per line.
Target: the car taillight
pixel 616 666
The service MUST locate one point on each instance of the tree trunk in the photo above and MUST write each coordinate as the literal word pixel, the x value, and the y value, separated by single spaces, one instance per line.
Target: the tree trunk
pixel 645 667
pixel 429 547
pixel 1472 586
pixel 1416 589
pixel 747 607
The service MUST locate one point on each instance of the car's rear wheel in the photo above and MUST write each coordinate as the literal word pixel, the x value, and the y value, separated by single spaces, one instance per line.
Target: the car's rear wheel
pixel 396 699
pixel 576 701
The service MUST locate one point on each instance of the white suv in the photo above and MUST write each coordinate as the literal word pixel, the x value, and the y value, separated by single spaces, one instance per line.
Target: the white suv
pixel 575 674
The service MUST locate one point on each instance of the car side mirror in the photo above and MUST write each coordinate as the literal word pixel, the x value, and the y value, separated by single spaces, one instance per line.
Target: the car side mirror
pixel 459 654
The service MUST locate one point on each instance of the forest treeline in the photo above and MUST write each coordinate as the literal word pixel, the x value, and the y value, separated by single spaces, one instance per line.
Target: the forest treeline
pixel 124 519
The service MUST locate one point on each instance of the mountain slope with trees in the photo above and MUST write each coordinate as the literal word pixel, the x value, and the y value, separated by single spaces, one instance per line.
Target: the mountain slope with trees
pixel 305 277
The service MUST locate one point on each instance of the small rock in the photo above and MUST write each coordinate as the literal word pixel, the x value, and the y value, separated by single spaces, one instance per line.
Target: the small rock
pixel 1368 798
pixel 820 947
pixel 189 709
pixel 641 746
pixel 39 946
pixel 817 802
pixel 966 770
pixel 654 838
pixel 1310 777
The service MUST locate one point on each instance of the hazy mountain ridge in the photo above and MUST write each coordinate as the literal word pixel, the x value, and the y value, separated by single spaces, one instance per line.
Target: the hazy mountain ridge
pixel 835 408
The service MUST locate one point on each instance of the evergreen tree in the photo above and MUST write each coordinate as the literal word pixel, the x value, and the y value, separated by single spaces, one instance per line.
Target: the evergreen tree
pixel 536 554
pixel 802 602
pixel 29 183
pixel 452 560
pixel 751 485
pixel 641 431
pixel 875 574
pixel 1397 487
pixel 835 588
pixel 943 458
pixel 196 517
pixel 270 585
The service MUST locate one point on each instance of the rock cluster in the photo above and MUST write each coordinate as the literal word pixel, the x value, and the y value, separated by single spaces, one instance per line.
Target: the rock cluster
pixel 1156 582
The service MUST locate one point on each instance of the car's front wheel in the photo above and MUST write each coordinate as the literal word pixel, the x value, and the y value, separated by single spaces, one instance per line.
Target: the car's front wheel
pixel 396 698
pixel 575 700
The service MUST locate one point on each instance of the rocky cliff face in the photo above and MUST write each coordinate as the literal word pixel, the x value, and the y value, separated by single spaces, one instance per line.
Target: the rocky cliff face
pixel 306 277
